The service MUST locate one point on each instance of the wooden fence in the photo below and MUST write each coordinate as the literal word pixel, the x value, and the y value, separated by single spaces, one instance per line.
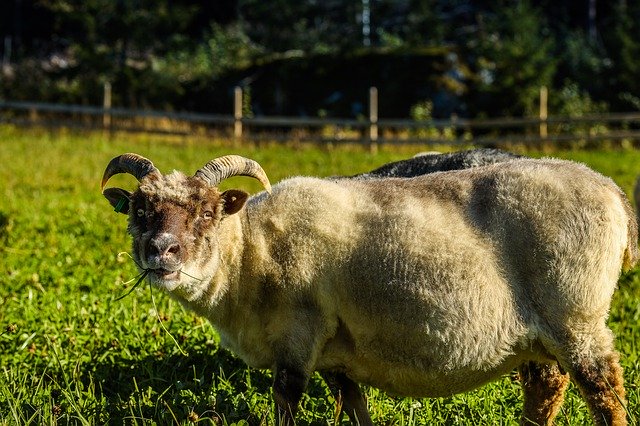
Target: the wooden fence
pixel 372 130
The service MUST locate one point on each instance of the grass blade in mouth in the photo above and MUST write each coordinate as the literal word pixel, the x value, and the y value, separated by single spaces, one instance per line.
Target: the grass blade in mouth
pixel 140 279
pixel 191 276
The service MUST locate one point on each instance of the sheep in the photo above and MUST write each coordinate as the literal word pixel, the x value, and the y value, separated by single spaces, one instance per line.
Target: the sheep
pixel 422 287
pixel 432 161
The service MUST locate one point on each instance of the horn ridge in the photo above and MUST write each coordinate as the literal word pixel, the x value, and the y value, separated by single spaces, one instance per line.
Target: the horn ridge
pixel 131 163
pixel 221 168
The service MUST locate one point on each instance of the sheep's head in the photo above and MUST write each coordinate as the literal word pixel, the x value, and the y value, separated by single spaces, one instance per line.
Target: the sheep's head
pixel 173 218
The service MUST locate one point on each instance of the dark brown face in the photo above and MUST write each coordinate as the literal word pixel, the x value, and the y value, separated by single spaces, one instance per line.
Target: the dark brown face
pixel 174 219
pixel 173 228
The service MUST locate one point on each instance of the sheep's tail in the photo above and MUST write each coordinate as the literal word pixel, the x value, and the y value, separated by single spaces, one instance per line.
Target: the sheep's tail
pixel 631 253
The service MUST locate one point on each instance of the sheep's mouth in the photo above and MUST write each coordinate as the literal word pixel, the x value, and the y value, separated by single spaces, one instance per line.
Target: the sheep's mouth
pixel 165 274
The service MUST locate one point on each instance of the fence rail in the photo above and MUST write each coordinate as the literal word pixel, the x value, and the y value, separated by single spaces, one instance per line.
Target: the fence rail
pixel 371 130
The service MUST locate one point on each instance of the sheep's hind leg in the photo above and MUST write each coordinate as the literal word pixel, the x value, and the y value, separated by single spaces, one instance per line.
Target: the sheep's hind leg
pixel 601 383
pixel 348 396
pixel 543 386
pixel 587 353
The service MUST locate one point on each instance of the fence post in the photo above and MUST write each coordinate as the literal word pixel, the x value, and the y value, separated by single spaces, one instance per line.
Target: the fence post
pixel 544 94
pixel 106 105
pixel 373 120
pixel 33 115
pixel 237 113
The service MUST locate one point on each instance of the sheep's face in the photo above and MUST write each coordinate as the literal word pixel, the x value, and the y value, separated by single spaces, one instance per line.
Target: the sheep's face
pixel 173 220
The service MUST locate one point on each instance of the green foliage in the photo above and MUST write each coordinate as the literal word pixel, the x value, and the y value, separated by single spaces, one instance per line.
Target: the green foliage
pixel 306 26
pixel 223 49
pixel 583 60
pixel 573 102
pixel 71 353
pixel 423 112
pixel 515 60
pixel 625 51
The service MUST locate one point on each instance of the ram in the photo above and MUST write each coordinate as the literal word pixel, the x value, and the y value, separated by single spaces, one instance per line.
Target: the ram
pixel 424 286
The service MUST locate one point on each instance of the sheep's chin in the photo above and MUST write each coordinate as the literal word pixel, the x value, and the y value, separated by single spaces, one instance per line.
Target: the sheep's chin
pixel 165 280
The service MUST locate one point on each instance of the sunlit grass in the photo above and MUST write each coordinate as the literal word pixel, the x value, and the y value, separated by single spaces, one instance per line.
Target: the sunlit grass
pixel 71 353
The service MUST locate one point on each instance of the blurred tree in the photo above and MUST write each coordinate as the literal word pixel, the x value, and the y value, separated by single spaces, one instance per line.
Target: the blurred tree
pixel 117 40
pixel 309 26
pixel 514 60
pixel 582 59
pixel 411 22
pixel 25 29
pixel 623 47
pixel 63 50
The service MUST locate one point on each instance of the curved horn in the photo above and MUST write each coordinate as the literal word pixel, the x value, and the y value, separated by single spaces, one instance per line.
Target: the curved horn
pixel 133 164
pixel 221 168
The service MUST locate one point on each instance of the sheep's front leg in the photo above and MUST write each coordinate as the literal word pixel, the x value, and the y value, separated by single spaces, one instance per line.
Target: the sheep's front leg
pixel 348 398
pixel 288 386
pixel 295 332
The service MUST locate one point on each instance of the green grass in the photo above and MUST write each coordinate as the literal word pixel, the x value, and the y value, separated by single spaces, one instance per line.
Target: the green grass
pixel 71 354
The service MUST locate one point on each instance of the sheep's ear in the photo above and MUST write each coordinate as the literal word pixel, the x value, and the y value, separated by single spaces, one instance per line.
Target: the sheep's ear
pixel 118 198
pixel 233 201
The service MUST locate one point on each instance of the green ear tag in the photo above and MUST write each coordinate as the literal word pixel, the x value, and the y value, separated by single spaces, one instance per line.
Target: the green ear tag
pixel 121 203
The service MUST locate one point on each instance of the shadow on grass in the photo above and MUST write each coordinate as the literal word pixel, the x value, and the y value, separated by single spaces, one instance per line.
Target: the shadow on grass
pixel 4 226
pixel 210 382
pixel 161 388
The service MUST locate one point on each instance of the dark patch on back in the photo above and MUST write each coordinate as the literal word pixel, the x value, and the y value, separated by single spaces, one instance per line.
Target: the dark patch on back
pixel 425 164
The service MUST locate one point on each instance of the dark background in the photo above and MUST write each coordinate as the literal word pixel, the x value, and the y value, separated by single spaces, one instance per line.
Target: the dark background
pixel 319 57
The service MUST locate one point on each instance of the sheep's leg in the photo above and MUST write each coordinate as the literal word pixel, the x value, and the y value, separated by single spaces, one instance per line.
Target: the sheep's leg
pixel 543 386
pixel 288 386
pixel 348 396
pixel 601 384
pixel 586 351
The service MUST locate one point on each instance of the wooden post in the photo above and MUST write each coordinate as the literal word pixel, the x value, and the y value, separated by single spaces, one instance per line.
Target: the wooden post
pixel 373 120
pixel 237 113
pixel 106 105
pixel 544 94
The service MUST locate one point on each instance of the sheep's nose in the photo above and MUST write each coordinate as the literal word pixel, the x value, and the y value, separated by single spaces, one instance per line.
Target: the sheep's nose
pixel 164 245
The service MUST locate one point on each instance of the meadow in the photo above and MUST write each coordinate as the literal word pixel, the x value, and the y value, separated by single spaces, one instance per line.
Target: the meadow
pixel 70 353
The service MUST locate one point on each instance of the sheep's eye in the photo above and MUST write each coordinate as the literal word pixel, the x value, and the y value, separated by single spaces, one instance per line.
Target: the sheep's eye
pixel 207 215
pixel 140 212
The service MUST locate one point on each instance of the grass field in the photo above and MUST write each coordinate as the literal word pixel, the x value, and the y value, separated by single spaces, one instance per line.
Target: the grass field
pixel 71 354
